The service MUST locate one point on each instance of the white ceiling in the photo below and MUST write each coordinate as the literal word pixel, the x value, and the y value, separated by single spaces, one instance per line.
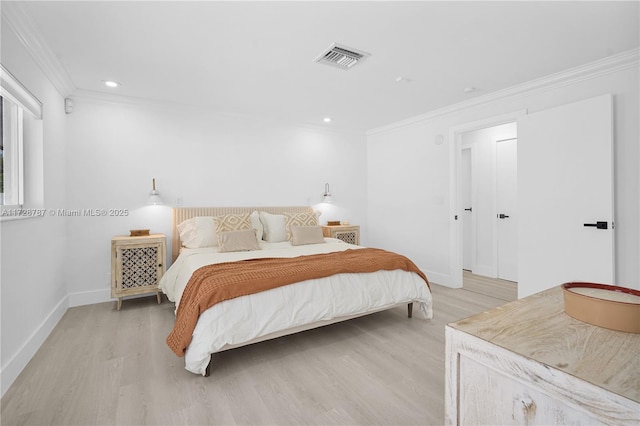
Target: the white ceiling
pixel 256 58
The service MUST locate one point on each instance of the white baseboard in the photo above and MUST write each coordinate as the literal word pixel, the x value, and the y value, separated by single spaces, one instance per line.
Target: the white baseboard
pixel 14 366
pixel 82 298
pixel 440 279
pixel 485 271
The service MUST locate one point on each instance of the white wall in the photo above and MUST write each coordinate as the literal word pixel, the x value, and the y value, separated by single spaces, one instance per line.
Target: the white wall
pixel 33 261
pixel 203 157
pixel 412 172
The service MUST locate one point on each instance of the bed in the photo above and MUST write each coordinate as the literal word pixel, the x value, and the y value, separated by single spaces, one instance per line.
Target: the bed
pixel 213 249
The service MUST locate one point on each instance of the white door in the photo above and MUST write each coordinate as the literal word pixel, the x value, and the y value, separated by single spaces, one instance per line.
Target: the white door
pixel 565 196
pixel 506 206
pixel 465 199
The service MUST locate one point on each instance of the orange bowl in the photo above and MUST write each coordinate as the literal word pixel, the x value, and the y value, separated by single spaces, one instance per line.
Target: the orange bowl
pixel 608 306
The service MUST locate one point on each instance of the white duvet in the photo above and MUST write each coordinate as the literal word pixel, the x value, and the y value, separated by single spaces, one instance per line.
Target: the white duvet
pixel 246 318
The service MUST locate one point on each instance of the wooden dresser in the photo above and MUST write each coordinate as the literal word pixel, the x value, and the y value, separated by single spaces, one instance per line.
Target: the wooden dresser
pixel 527 362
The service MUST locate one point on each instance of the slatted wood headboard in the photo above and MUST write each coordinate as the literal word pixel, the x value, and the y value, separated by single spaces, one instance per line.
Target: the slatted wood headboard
pixel 181 214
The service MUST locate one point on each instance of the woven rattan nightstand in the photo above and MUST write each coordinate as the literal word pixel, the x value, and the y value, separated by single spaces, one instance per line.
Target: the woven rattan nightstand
pixel 347 233
pixel 137 264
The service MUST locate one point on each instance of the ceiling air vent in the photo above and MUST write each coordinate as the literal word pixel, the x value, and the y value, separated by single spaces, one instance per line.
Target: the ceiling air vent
pixel 342 57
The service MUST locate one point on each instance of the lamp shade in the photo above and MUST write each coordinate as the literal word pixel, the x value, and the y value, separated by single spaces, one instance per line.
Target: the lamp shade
pixel 327 197
pixel 154 196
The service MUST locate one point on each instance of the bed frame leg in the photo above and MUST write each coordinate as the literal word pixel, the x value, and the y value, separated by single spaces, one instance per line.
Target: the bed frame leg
pixel 207 371
pixel 410 310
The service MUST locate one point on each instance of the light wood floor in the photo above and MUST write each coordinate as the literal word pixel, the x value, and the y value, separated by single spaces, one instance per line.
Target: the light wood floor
pixel 104 367
pixel 494 287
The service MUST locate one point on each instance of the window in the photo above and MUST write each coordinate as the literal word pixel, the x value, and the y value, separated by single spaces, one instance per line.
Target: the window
pixel 21 133
pixel 11 177
pixel 1 152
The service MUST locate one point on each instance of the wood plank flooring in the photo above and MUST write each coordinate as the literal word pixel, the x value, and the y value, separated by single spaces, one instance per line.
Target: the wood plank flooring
pixel 494 287
pixel 101 366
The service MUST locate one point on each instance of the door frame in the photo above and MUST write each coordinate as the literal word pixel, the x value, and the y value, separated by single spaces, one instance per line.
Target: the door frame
pixel 496 258
pixel 455 193
pixel 473 219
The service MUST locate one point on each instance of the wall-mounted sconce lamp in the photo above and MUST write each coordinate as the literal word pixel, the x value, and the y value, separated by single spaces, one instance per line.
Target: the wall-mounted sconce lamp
pixel 327 197
pixel 154 196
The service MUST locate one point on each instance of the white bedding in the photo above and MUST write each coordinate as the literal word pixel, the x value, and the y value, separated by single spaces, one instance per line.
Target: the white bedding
pixel 243 319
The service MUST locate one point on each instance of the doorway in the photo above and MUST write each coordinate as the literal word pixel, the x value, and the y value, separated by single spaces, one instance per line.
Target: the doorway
pixel 484 168
pixel 488 179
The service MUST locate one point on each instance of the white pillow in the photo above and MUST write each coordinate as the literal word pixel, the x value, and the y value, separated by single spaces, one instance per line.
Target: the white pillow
pixel 257 225
pixel 198 232
pixel 275 230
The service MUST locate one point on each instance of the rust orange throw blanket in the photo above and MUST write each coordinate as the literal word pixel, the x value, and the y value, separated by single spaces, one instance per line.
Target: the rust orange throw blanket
pixel 212 284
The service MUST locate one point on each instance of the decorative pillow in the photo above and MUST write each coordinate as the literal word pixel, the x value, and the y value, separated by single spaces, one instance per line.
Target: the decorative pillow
pixel 301 235
pixel 198 232
pixel 274 227
pixel 257 225
pixel 243 240
pixel 232 222
pixel 300 219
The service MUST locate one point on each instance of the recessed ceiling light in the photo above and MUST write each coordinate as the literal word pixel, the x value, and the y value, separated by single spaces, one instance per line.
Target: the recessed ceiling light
pixel 110 83
pixel 469 89
pixel 327 119
pixel 402 79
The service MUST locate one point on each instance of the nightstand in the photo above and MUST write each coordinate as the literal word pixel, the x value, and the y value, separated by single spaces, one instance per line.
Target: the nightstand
pixel 137 264
pixel 347 233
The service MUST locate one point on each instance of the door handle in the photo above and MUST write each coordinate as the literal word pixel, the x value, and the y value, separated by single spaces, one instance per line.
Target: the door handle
pixel 502 216
pixel 468 210
pixel 599 225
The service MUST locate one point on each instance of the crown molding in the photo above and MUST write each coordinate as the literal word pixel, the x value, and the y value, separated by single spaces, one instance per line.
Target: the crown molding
pixel 608 65
pixel 110 98
pixel 16 16
pixel 95 97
